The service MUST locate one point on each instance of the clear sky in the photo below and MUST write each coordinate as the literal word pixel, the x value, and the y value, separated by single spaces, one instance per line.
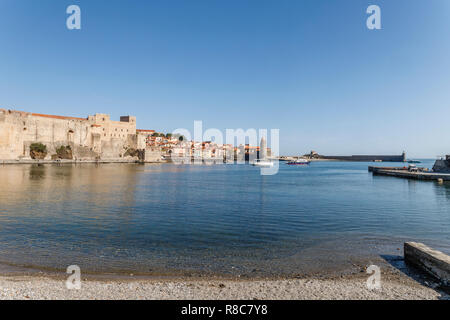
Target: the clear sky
pixel 309 68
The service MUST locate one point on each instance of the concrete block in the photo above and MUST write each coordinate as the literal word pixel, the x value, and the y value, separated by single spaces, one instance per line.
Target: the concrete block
pixel 431 261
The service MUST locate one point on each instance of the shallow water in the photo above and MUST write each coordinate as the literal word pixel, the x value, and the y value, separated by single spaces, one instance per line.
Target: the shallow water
pixel 222 219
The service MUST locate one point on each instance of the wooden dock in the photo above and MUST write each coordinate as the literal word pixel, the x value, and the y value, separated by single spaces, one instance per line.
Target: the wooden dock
pixel 403 172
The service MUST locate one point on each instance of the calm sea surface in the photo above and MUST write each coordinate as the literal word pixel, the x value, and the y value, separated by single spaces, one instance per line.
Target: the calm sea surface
pixel 223 219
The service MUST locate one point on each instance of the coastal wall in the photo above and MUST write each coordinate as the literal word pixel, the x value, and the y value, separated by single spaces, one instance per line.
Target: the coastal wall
pixel 96 137
pixel 152 155
pixel 431 261
pixel 384 158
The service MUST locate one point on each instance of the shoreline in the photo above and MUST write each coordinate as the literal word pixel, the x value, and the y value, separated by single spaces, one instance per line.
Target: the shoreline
pixel 394 285
pixel 13 270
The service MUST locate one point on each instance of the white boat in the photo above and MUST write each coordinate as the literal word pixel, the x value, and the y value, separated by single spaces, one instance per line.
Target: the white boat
pixel 262 163
pixel 298 162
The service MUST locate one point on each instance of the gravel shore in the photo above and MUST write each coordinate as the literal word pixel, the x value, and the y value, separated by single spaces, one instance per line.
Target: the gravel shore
pixel 352 287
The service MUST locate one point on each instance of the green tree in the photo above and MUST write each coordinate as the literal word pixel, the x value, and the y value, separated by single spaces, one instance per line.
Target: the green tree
pixel 38 147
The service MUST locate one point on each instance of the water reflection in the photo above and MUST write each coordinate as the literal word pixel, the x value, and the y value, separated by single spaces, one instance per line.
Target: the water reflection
pixel 83 184
pixel 442 190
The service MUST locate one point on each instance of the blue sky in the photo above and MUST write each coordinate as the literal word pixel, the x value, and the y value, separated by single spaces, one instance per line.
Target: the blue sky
pixel 310 68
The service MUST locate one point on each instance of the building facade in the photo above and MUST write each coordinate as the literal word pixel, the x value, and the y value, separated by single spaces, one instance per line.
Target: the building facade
pixel 95 137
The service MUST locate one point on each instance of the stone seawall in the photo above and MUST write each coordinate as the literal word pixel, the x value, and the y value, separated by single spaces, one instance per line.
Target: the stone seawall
pixel 431 261
pixel 92 138
pixel 368 158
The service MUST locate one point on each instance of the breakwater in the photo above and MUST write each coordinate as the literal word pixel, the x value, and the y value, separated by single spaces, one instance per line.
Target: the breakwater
pixel 405 173
pixel 313 155
pixel 440 171
pixel 367 158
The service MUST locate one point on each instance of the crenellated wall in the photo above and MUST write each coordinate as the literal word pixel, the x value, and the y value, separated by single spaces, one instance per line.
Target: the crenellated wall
pixel 95 137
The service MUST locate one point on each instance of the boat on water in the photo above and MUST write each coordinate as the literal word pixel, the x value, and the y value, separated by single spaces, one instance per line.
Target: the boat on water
pixel 414 161
pixel 299 162
pixel 262 163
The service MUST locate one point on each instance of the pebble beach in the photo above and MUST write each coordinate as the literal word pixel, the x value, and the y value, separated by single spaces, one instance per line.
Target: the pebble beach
pixel 394 286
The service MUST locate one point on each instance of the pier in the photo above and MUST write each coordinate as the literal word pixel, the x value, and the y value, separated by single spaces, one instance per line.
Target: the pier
pixel 404 172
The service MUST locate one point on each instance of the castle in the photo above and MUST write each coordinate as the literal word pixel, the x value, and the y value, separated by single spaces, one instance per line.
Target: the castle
pixel 96 137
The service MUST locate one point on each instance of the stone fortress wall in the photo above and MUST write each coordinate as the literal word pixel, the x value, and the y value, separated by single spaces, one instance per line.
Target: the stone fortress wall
pixel 96 137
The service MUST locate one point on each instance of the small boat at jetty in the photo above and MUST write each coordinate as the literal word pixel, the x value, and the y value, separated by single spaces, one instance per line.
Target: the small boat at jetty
pixel 262 163
pixel 299 162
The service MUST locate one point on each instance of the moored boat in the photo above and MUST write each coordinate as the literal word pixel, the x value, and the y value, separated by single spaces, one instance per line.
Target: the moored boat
pixel 299 162
pixel 262 163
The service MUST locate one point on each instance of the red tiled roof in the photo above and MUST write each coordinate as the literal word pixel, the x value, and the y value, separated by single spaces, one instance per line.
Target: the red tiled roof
pixel 142 130
pixel 57 117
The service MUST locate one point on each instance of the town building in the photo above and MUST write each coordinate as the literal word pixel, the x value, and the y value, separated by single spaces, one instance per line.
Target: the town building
pixel 98 138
